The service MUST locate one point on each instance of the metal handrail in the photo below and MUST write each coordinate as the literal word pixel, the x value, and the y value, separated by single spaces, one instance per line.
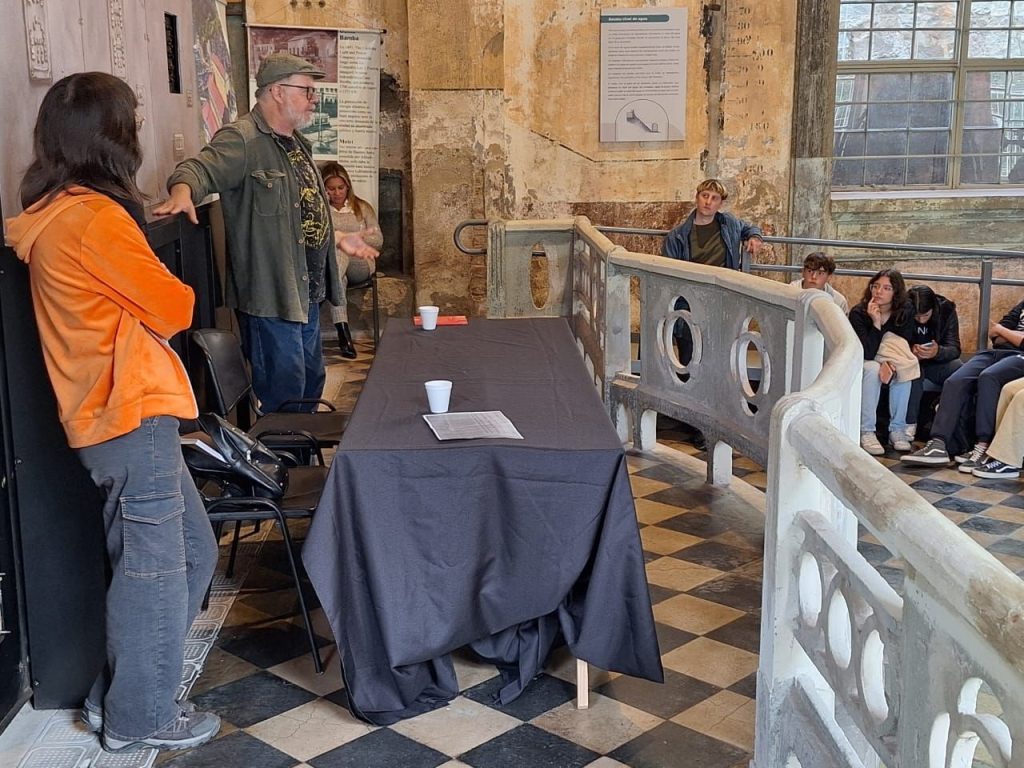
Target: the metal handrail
pixel 985 280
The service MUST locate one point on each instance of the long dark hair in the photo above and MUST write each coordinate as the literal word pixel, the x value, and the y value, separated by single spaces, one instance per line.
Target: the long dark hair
pixel 900 306
pixel 85 134
pixel 332 168
pixel 922 299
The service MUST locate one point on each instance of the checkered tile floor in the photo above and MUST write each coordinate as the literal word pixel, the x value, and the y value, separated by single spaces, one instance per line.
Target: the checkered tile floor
pixel 703 548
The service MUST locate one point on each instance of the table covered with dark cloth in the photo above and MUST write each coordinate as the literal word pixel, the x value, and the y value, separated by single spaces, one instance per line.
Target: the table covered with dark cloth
pixel 420 547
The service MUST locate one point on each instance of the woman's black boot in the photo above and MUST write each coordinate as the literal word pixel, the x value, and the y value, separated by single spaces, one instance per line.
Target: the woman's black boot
pixel 345 341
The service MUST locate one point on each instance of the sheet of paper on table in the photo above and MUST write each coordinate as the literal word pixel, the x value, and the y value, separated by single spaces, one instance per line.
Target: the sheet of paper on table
pixel 471 425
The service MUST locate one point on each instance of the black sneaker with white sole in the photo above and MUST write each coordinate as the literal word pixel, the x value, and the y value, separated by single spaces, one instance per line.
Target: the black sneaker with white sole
pixel 934 452
pixel 993 469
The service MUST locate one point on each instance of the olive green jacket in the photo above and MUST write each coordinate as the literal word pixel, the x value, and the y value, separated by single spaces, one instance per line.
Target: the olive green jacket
pixel 259 194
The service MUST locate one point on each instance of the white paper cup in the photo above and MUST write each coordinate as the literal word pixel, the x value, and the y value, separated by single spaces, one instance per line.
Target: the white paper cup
pixel 439 393
pixel 428 321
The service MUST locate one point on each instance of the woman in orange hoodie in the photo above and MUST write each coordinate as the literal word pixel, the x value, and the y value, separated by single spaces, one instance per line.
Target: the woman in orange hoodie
pixel 105 307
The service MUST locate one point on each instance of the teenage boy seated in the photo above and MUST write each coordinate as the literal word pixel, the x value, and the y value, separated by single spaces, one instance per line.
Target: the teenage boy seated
pixel 711 236
pixel 817 273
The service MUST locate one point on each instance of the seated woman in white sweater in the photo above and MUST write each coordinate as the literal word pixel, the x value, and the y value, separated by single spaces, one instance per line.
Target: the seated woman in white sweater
pixel 349 214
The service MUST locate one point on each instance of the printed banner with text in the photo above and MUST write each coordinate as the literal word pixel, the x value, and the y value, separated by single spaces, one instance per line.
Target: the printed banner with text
pixel 346 124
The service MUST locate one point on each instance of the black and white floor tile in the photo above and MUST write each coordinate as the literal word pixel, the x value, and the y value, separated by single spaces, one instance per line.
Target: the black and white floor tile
pixel 703 548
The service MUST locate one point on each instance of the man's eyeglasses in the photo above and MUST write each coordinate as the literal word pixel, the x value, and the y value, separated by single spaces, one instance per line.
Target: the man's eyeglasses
pixel 309 89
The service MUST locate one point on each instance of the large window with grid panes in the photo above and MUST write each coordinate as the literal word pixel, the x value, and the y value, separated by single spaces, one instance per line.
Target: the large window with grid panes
pixel 929 94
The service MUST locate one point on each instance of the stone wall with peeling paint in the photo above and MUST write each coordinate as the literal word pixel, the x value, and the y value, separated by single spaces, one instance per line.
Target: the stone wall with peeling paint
pixel 526 146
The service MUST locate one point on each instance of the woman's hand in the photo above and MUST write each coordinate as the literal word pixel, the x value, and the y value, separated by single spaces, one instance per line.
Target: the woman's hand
pixel 353 244
pixel 886 372
pixel 875 313
pixel 925 351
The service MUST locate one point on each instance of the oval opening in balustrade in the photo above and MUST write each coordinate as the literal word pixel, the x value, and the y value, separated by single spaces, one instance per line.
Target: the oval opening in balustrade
pixel 872 676
pixel 540 276
pixel 750 364
pixel 982 710
pixel 682 344
pixel 840 630
pixel 810 590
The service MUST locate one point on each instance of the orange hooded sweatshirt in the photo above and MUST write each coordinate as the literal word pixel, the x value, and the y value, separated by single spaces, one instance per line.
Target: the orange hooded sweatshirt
pixel 105 307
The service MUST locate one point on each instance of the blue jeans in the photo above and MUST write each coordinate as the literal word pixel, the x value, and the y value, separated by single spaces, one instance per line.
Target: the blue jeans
pixel 286 358
pixel 871 391
pixel 162 554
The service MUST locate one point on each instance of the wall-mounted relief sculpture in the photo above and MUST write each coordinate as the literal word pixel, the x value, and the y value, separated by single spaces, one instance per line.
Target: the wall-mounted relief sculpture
pixel 118 53
pixel 37 40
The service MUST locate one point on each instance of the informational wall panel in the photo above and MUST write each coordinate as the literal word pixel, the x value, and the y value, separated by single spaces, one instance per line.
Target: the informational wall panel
pixel 643 74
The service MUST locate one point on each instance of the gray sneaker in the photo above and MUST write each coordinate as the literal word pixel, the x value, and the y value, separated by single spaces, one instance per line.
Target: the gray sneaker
pixel 188 730
pixel 973 458
pixel 92 717
pixel 934 452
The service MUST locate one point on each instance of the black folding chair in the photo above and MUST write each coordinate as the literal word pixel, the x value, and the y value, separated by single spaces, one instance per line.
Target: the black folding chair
pixel 371 283
pixel 231 387
pixel 229 497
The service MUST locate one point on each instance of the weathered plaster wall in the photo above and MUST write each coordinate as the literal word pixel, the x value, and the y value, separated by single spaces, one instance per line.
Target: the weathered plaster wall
pixel 108 37
pixel 522 141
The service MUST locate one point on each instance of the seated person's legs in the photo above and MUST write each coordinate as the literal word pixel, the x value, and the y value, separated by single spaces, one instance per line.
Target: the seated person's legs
pixel 934 374
pixel 871 390
pixel 899 396
pixel 957 393
pixel 1007 447
pixel 990 385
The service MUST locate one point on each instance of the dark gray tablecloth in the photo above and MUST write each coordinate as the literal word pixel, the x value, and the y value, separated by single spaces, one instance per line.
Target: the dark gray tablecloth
pixel 420 547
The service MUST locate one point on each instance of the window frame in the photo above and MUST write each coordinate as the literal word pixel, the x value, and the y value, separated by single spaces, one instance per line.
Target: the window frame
pixel 959 66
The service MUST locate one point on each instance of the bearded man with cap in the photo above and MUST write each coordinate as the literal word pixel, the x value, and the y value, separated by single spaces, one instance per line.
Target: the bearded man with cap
pixel 277 226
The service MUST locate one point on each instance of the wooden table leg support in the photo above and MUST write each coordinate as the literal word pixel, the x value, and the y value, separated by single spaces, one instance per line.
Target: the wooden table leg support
pixel 582 685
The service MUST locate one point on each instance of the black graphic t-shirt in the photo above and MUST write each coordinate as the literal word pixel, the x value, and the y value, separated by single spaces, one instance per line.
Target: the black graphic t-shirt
pixel 923 333
pixel 316 218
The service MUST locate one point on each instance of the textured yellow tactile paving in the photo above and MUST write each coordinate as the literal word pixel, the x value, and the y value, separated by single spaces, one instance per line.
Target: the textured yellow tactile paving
pixel 310 730
pixel 662 541
pixel 711 661
pixel 680 575
pixel 694 615
pixel 727 716
pixel 653 512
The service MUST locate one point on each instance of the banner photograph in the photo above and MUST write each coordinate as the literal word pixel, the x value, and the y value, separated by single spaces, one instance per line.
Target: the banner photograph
pixel 346 124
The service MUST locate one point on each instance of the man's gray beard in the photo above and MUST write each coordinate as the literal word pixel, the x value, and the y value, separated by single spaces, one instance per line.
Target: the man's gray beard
pixel 299 119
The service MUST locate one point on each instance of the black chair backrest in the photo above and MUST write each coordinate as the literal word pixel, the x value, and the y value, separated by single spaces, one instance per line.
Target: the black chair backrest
pixel 229 378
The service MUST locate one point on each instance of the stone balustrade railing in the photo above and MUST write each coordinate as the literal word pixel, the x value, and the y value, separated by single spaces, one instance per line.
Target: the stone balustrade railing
pixel 851 673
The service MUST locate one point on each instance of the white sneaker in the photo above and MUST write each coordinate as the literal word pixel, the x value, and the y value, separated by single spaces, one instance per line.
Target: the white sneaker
pixel 900 443
pixel 911 432
pixel 869 442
